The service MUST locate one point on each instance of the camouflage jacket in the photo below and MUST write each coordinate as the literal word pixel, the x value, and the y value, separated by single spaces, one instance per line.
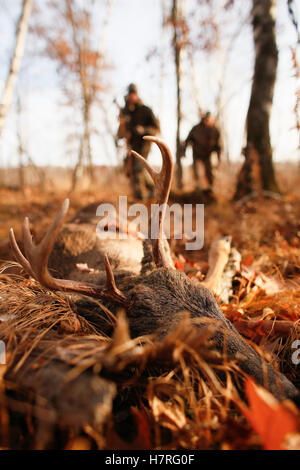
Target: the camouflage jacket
pixel 139 115
pixel 204 140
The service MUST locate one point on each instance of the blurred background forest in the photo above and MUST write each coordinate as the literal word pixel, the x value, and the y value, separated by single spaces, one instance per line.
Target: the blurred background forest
pixel 65 67
pixel 79 57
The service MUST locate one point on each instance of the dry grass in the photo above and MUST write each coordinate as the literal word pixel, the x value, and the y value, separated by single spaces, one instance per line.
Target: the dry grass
pixel 179 406
pixel 174 398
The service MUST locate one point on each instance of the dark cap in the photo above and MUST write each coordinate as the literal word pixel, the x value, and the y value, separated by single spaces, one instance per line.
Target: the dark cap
pixel 132 88
pixel 206 115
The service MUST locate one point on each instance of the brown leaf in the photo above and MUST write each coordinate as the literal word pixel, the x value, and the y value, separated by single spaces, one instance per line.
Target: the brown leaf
pixel 272 420
pixel 168 415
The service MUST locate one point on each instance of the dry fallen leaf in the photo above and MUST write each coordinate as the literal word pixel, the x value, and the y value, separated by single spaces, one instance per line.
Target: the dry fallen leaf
pixel 79 443
pixel 179 265
pixel 273 421
pixel 168 415
pixel 142 441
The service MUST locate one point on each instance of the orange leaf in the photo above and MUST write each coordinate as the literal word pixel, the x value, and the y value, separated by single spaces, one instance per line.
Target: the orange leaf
pixel 271 419
pixel 79 443
pixel 248 260
pixel 142 441
pixel 179 265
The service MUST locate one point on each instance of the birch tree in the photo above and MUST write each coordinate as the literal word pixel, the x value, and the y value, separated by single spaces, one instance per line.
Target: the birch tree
pixel 179 38
pixel 15 62
pixel 72 43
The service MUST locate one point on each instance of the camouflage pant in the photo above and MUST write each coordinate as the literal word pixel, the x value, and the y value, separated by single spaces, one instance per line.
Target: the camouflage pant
pixel 207 168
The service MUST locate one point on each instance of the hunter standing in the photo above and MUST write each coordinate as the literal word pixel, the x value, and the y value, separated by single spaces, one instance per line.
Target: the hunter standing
pixel 136 121
pixel 204 139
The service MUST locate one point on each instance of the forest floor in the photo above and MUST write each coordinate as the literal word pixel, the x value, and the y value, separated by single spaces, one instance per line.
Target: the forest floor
pixel 171 414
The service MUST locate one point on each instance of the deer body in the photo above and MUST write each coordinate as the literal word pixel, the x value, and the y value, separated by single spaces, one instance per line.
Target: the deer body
pixel 158 302
pixel 79 244
pixel 154 296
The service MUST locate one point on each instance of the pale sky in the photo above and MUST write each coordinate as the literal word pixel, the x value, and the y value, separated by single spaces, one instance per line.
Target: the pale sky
pixel 134 31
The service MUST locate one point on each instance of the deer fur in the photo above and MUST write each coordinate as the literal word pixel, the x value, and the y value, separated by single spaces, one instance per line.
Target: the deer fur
pixel 153 293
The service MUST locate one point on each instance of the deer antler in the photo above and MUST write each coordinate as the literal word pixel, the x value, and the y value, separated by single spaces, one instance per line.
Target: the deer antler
pixel 218 258
pixel 35 263
pixel 162 182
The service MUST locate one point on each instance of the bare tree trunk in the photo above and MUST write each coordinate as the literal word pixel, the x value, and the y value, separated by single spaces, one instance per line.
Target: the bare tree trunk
pixel 163 42
pixel 25 161
pixel 88 93
pixel 292 12
pixel 103 38
pixel 195 82
pixel 296 67
pixel 99 65
pixel 78 165
pixel 177 52
pixel 15 61
pixel 88 148
pixel 22 179
pixel 39 172
pixel 259 151
pixel 85 151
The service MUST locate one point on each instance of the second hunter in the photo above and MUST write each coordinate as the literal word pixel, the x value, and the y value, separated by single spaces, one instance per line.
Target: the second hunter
pixel 137 120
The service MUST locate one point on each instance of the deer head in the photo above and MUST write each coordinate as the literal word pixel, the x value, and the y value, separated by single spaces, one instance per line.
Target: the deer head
pixel 155 300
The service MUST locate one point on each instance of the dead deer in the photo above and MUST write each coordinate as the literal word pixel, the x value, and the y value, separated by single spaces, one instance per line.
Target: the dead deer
pixel 155 298
pixel 78 245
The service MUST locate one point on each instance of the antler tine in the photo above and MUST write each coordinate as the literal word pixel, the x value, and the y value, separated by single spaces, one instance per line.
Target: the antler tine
pixel 167 167
pixel 48 241
pixel 36 261
pixel 110 290
pixel 18 254
pixel 27 239
pixel 153 173
pixel 162 180
pixel 38 256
